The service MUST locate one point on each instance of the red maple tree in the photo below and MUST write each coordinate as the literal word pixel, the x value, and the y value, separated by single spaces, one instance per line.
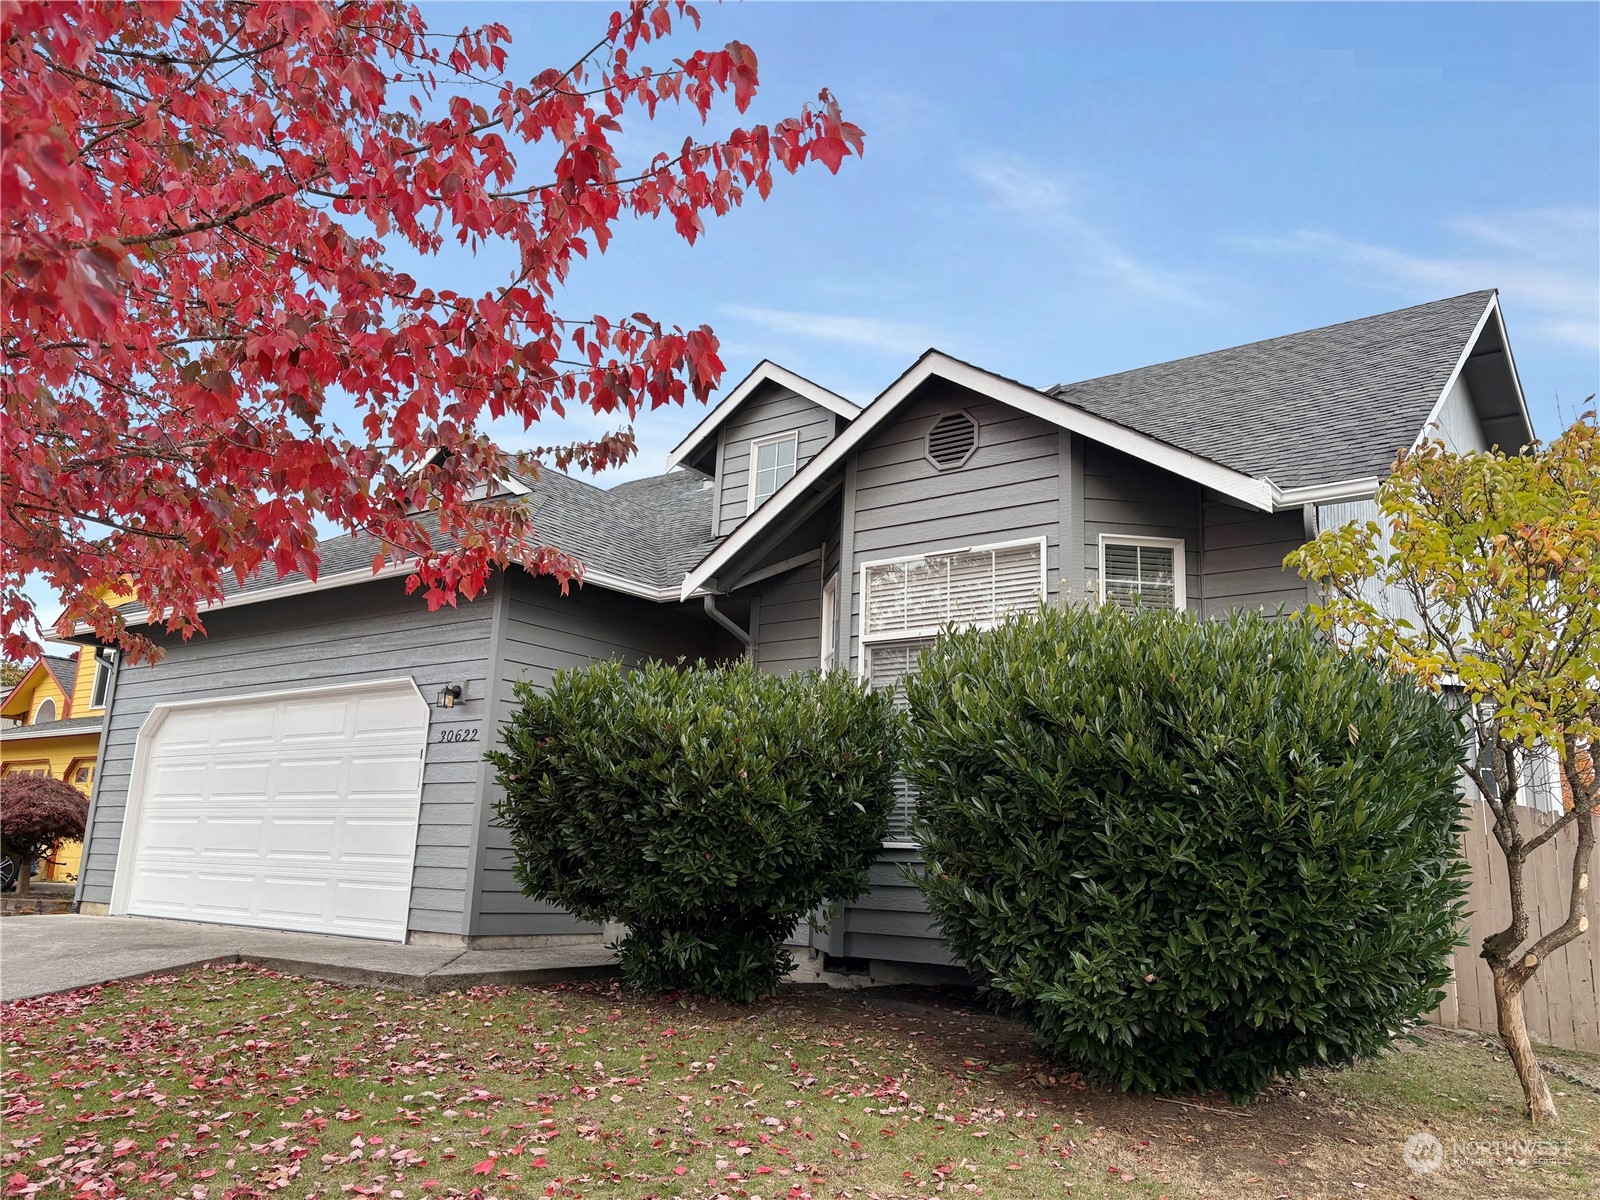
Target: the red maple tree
pixel 200 201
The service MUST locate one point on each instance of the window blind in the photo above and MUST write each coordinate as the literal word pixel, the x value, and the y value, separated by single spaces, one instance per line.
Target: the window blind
pixel 1139 576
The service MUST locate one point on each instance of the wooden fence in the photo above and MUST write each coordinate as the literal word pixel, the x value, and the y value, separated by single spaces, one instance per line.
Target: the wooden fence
pixel 1563 1000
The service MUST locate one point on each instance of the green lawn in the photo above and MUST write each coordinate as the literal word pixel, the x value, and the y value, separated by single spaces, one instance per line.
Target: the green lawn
pixel 233 1082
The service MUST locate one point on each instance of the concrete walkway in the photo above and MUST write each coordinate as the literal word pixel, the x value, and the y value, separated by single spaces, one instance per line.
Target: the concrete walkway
pixel 44 954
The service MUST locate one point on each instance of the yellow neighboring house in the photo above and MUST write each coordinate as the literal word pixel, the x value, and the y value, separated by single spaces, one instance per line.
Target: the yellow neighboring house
pixel 50 724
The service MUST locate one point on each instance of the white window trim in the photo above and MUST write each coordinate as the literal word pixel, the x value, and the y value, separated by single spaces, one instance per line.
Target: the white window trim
pixel 755 445
pixel 102 675
pixel 868 640
pixel 1180 565
pixel 928 631
pixel 829 639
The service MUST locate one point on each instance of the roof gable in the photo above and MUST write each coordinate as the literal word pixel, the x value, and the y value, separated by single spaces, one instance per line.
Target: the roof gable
pixel 1256 493
pixel 56 675
pixel 766 372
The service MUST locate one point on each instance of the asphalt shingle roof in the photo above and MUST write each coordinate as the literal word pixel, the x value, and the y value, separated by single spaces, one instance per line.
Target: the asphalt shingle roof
pixel 651 531
pixel 1315 407
pixel 64 671
pixel 51 728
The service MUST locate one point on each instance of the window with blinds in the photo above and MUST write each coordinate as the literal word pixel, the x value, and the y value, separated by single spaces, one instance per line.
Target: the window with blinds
pixel 980 586
pixel 906 603
pixel 1142 572
pixel 888 665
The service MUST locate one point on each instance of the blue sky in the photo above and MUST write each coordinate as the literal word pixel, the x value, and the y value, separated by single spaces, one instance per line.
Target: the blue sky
pixel 1061 191
pixel 1057 192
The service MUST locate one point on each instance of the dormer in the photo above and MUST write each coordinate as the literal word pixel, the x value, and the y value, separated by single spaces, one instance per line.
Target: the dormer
pixel 759 436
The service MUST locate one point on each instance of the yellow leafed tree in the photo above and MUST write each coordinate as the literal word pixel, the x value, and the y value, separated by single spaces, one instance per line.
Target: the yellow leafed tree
pixel 1481 578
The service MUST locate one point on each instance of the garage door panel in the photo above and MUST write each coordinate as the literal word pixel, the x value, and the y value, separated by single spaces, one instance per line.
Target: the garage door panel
pixel 289 812
pixel 377 777
pixel 382 714
pixel 178 779
pixel 231 836
pixel 240 728
pixel 377 841
pixel 309 777
pixel 322 720
pixel 172 835
pixel 302 838
pixel 246 780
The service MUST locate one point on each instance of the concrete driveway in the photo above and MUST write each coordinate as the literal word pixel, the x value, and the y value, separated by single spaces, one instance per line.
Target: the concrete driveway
pixel 44 954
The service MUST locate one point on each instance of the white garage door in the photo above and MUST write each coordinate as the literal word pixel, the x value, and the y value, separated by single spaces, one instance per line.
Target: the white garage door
pixel 290 811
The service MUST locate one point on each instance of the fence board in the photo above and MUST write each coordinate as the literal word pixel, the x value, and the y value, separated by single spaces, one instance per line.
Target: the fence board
pixel 1563 1000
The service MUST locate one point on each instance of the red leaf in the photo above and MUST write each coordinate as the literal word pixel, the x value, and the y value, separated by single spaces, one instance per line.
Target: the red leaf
pixel 483 1168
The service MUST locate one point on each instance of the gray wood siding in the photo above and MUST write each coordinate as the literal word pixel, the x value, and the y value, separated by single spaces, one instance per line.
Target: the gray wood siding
pixel 1009 489
pixel 900 505
pixel 891 921
pixel 543 632
pixel 1126 496
pixel 790 636
pixel 1242 566
pixel 774 410
pixel 369 631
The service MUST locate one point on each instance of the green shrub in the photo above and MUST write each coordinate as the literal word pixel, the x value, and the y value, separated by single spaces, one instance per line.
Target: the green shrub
pixel 707 808
pixel 1192 854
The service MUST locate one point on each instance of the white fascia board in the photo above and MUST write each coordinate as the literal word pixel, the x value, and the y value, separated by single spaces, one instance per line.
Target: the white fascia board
pixel 1257 493
pixel 632 587
pixel 765 371
pixel 1340 491
pixel 1491 311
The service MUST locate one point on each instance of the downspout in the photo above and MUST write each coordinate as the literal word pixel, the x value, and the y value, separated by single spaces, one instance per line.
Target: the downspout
pixel 721 618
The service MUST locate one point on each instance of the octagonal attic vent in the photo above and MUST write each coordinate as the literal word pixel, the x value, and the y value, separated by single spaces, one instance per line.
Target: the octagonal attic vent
pixel 952 440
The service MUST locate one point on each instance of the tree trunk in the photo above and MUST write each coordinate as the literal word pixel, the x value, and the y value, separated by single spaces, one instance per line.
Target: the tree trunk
pixel 23 872
pixel 1514 1033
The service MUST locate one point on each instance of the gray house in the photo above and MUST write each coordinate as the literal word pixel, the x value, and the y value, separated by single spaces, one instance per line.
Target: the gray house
pixel 316 762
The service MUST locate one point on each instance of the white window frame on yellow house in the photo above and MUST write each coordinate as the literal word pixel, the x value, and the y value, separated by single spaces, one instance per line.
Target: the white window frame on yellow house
pixel 100 689
pixel 38 768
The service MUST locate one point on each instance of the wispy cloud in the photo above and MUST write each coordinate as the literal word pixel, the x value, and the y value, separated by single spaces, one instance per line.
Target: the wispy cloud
pixel 874 333
pixel 1544 262
pixel 1091 250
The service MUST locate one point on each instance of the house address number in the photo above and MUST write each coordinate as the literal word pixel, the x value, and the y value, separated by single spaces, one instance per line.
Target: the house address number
pixel 458 735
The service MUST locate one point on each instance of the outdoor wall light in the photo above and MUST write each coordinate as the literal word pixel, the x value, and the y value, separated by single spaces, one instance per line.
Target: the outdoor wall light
pixel 448 695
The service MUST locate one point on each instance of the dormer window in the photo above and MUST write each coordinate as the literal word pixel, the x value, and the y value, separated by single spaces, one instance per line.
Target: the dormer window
pixel 772 462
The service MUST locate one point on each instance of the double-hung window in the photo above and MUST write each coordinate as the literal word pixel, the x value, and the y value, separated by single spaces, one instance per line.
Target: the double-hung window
pixel 772 462
pixel 907 602
pixel 1141 572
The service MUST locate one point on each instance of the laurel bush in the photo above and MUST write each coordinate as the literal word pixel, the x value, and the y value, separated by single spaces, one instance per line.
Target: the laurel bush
pixel 1191 854
pixel 708 808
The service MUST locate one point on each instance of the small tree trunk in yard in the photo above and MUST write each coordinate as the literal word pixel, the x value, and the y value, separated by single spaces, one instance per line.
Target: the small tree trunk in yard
pixel 22 865
pixel 1508 985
